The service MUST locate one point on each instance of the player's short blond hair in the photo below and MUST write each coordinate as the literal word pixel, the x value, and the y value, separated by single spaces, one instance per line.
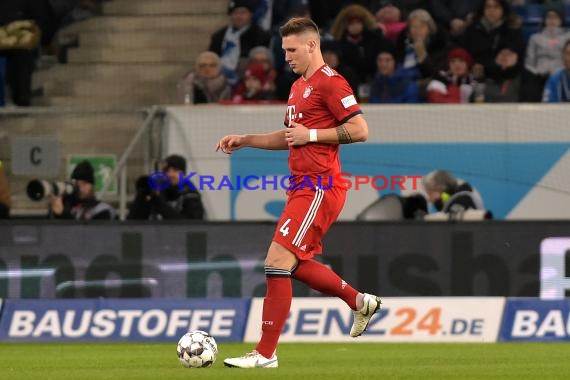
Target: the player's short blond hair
pixel 298 25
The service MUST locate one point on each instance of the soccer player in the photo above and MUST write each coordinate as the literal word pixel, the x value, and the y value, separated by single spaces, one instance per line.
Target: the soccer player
pixel 322 113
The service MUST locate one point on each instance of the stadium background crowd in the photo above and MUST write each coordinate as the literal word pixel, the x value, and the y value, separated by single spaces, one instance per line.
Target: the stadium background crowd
pixel 390 51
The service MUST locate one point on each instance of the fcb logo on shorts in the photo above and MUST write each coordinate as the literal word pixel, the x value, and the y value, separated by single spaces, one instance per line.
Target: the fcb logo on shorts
pixel 307 91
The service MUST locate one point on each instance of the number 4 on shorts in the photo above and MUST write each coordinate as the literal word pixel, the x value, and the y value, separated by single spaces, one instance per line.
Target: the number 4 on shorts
pixel 284 229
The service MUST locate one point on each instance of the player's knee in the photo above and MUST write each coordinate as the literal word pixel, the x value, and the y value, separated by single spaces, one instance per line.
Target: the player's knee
pixel 280 257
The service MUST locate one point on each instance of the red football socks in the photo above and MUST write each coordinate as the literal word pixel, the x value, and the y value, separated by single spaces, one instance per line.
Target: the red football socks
pixel 275 309
pixel 322 278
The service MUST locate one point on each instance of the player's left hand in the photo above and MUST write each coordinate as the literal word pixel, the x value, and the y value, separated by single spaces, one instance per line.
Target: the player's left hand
pixel 298 135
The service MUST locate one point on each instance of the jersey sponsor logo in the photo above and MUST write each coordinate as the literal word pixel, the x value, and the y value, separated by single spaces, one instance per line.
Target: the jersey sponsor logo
pixel 348 101
pixel 328 71
pixel 303 247
pixel 307 92
pixel 291 115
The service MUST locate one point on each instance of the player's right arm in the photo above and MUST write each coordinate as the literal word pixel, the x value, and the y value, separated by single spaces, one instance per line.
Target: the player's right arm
pixel 270 141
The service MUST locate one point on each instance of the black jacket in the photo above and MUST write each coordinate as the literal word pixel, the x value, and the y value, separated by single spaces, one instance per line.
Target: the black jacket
pixel 91 209
pixel 484 45
pixel 461 198
pixel 361 56
pixel 168 204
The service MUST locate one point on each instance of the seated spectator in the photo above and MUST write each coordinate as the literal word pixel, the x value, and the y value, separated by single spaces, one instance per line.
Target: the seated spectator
pixel 234 42
pixel 4 193
pixel 557 88
pixel 450 195
pixel 422 47
pixel 263 56
pixel 82 204
pixel 456 84
pixel 254 85
pixel 544 54
pixel 205 84
pixel 355 31
pixel 503 85
pixel 453 14
pixel 333 57
pixel 170 203
pixel 494 28
pixel 392 84
pixel 389 20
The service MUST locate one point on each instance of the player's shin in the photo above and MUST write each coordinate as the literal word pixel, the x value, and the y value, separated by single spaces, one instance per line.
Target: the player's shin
pixel 325 280
pixel 275 309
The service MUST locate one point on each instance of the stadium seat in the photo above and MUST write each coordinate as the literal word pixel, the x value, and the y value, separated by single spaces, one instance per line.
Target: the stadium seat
pixel 530 29
pixel 530 13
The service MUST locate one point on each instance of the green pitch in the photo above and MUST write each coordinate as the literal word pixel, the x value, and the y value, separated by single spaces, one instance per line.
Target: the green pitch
pixel 139 361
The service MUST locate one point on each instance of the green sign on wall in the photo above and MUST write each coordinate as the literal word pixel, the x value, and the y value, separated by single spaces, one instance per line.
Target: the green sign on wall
pixel 103 166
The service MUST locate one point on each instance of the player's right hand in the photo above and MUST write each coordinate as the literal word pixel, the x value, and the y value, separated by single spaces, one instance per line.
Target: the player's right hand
pixel 229 144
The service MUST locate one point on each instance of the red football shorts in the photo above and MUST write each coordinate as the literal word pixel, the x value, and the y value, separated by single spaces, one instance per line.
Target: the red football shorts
pixel 307 216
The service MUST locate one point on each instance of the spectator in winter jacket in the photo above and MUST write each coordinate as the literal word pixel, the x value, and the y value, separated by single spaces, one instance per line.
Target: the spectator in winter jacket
pixel 422 47
pixel 455 85
pixel 233 42
pixel 494 28
pixel 389 20
pixel 503 85
pixel 557 88
pixel 206 83
pixel 254 86
pixel 391 84
pixel 544 54
pixel 360 41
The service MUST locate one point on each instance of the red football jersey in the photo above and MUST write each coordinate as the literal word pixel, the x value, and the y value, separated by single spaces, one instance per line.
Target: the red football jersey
pixel 325 100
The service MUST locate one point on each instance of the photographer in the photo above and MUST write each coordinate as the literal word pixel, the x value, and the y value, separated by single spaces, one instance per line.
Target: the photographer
pixel 450 195
pixel 81 204
pixel 170 203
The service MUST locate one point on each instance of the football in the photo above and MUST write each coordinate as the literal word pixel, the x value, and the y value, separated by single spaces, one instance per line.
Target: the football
pixel 197 349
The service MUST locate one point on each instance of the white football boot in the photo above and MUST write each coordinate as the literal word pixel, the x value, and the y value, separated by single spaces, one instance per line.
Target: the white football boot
pixel 370 305
pixel 252 360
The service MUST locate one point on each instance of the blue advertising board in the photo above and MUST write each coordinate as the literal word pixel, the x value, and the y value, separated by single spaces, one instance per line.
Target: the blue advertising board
pixel 152 320
pixel 535 320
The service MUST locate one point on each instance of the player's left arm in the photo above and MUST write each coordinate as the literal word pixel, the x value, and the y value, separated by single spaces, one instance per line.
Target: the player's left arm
pixel 353 130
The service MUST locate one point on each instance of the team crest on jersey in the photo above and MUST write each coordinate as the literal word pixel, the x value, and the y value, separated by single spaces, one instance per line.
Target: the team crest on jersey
pixel 307 92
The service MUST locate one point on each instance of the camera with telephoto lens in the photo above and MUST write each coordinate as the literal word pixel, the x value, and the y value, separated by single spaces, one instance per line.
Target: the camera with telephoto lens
pixel 38 189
